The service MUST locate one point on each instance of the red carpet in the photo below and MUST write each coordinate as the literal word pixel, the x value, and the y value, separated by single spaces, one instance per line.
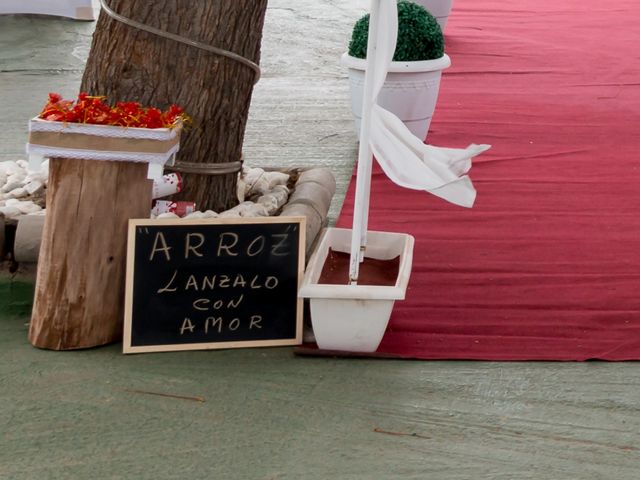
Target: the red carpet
pixel 546 266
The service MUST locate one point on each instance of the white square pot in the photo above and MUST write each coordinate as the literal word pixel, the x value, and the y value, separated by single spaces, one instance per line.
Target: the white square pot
pixel 354 317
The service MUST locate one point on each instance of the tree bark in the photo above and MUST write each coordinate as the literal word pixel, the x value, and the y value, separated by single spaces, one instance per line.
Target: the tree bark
pixel 126 63
pixel 79 298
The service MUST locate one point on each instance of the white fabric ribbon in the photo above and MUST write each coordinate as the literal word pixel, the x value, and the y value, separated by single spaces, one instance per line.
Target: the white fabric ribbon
pixel 404 158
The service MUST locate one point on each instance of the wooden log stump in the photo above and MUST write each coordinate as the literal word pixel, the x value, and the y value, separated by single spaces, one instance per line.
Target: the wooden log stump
pixel 79 296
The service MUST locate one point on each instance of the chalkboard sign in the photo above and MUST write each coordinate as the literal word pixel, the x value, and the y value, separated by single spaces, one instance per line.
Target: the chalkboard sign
pixel 219 283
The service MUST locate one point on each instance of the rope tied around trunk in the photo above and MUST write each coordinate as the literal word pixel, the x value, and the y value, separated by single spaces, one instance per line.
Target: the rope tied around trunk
pixel 206 168
pixel 179 38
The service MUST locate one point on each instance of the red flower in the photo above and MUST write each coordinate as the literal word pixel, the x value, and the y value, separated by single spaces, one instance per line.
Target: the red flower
pixel 94 110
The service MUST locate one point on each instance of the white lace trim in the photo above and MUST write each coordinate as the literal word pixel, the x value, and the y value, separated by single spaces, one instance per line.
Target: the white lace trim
pixel 39 125
pixel 52 152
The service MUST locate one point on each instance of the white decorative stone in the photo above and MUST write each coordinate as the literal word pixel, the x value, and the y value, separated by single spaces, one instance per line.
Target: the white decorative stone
pixel 11 185
pixel 238 210
pixel 230 214
pixel 18 192
pixel 274 200
pixel 196 214
pixel 28 207
pixel 260 186
pixel 23 164
pixel 276 178
pixel 252 175
pixel 33 187
pixel 10 167
pixel 255 210
pixel 210 214
pixel 36 177
pixel 270 203
pixel 10 212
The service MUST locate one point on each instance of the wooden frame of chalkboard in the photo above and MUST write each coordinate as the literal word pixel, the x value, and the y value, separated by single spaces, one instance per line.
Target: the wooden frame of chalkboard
pixel 213 283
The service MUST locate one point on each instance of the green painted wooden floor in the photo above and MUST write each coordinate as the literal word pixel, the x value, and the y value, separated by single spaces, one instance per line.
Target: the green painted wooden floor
pixel 266 414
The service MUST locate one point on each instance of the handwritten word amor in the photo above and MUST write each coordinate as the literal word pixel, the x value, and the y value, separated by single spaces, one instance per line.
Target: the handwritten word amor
pixel 213 324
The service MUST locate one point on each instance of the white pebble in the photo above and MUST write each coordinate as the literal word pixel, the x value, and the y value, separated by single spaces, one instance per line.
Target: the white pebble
pixel 23 164
pixel 260 187
pixel 276 178
pixel 244 207
pixel 195 214
pixel 229 214
pixel 252 175
pixel 210 214
pixel 256 210
pixel 36 177
pixel 18 192
pixel 34 187
pixel 280 193
pixel 274 199
pixel 28 207
pixel 10 167
pixel 11 185
pixel 269 202
pixel 10 212
pixel 17 177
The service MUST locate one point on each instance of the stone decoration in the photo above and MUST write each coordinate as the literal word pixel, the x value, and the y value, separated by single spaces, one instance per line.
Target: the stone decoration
pixel 261 192
pixel 22 191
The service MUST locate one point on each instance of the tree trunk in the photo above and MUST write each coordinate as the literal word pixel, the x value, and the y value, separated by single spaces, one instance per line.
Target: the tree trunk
pixel 79 298
pixel 126 63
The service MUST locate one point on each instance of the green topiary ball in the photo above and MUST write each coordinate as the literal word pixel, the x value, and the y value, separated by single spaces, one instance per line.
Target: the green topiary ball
pixel 419 35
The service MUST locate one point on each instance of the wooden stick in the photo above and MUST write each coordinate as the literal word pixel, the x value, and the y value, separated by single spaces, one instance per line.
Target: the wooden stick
pixel 363 175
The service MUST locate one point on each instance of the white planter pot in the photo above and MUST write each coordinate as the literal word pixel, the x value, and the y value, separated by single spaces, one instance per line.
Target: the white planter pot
pixel 354 317
pixel 410 91
pixel 438 8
